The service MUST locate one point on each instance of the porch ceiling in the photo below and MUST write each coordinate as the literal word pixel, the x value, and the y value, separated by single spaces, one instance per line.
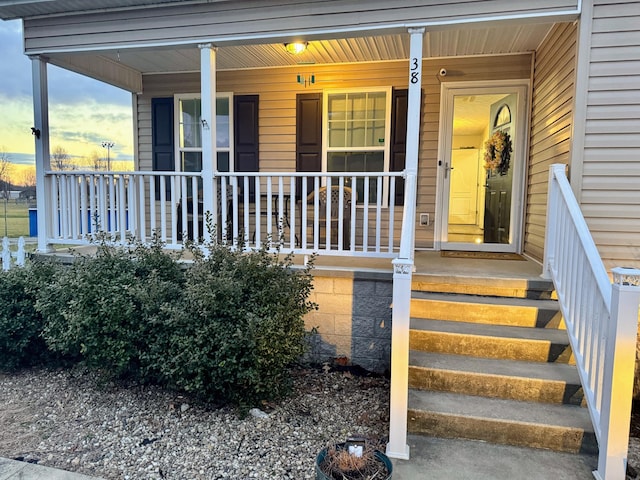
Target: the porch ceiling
pixel 461 41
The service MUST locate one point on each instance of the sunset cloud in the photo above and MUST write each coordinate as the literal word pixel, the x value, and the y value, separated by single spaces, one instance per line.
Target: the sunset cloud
pixel 82 112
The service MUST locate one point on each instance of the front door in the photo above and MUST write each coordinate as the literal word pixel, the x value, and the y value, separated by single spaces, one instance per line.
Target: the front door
pixel 481 160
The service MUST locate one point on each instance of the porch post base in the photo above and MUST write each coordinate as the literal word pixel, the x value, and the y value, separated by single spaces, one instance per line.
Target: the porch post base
pixel 402 455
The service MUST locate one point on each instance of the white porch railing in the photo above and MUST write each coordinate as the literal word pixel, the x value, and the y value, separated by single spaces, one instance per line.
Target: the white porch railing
pixel 341 214
pixel 601 322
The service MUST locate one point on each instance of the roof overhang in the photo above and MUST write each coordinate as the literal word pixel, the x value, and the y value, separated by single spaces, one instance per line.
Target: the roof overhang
pixel 14 9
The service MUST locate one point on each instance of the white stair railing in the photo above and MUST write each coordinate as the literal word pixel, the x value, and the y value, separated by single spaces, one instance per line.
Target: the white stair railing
pixel 601 321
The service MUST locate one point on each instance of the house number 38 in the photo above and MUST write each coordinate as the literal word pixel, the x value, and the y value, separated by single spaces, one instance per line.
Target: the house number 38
pixel 414 74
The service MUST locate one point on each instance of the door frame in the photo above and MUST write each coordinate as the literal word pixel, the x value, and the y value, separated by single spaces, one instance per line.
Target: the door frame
pixel 447 92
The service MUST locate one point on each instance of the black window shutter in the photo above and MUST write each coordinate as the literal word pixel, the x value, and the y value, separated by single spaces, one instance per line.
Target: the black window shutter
pixel 245 131
pixel 399 104
pixel 308 136
pixel 162 141
pixel 246 137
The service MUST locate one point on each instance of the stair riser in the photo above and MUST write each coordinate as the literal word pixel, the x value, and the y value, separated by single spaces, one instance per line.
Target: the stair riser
pixel 513 290
pixel 490 347
pixel 495 386
pixel 562 439
pixel 507 315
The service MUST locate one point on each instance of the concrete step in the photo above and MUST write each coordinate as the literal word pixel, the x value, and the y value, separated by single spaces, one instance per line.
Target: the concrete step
pixel 491 286
pixel 490 310
pixel 490 341
pixel 515 380
pixel 565 428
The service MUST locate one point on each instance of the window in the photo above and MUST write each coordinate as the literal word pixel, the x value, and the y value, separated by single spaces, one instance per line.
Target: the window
pixel 357 129
pixel 189 132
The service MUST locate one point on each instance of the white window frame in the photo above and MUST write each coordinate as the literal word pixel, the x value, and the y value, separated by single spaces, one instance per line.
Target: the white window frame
pixel 386 149
pixel 176 126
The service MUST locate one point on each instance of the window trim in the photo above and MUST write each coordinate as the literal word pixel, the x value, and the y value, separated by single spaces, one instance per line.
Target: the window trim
pixel 176 129
pixel 386 149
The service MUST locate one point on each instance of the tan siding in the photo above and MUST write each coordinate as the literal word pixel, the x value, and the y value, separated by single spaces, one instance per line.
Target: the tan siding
pixel 228 20
pixel 277 89
pixel 610 195
pixel 551 123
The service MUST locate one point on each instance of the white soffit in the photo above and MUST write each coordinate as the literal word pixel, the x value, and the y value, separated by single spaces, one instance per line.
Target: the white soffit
pixel 464 41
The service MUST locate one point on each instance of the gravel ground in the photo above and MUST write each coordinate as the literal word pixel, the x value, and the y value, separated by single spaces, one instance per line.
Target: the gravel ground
pixel 67 419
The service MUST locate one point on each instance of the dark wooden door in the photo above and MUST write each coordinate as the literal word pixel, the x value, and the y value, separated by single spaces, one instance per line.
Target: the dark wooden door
pixel 499 183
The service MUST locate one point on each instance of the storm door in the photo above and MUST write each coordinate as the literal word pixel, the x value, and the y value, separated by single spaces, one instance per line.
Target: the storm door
pixel 481 167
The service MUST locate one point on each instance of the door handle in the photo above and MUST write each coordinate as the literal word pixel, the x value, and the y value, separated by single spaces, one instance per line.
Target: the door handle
pixel 446 169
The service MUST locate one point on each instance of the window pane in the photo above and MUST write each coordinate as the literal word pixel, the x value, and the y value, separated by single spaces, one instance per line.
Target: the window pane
pixel 379 103
pixel 375 133
pixel 365 115
pixel 357 107
pixel 356 135
pixel 191 162
pixel 222 122
pixel 190 127
pixel 223 161
pixel 357 162
pixel 337 107
pixel 337 134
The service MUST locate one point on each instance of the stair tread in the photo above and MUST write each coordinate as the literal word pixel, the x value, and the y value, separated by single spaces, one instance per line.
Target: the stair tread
pixel 486 300
pixel 498 409
pixel 489 366
pixel 487 330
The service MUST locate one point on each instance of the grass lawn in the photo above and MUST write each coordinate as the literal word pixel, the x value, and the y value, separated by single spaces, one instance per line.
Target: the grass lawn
pixel 15 222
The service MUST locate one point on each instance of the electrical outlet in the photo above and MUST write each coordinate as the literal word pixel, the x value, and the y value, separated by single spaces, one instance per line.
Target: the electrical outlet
pixel 424 219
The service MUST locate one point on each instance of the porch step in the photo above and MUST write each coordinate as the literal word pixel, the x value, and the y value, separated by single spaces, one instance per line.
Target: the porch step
pixel 516 380
pixel 565 428
pixel 490 341
pixel 495 367
pixel 490 310
pixel 488 286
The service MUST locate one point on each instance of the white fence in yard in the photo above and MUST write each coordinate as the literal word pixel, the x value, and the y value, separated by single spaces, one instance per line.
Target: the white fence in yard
pixel 351 214
pixel 12 258
pixel 601 319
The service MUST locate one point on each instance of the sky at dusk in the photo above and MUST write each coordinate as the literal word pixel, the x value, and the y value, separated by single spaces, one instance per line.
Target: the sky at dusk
pixel 82 112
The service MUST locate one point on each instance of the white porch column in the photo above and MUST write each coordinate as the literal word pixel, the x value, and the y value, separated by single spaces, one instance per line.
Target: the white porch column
pixel 41 124
pixel 209 150
pixel 403 265
pixel 413 134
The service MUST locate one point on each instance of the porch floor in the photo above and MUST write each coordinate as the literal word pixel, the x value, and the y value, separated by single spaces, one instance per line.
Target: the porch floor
pixel 430 263
pixel 433 263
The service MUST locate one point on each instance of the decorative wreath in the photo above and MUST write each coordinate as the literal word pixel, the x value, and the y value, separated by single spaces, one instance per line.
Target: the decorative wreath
pixel 497 152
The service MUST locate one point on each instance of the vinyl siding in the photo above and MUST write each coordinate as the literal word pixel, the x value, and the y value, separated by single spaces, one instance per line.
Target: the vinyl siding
pixel 277 88
pixel 610 193
pixel 551 126
pixel 232 21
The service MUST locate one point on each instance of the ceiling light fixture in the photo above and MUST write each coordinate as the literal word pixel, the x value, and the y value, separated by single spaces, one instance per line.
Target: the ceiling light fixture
pixel 295 48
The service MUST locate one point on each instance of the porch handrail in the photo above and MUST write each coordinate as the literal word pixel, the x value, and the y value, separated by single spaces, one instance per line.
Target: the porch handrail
pixel 601 321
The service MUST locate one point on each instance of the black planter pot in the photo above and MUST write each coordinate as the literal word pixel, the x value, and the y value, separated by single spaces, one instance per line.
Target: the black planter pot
pixel 320 475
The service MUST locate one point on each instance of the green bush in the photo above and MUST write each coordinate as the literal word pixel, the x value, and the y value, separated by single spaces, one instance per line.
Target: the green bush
pixel 21 325
pixel 109 309
pixel 240 327
pixel 225 329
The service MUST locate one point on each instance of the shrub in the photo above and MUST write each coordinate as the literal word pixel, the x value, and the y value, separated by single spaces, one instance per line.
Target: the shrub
pixel 21 325
pixel 109 309
pixel 241 325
